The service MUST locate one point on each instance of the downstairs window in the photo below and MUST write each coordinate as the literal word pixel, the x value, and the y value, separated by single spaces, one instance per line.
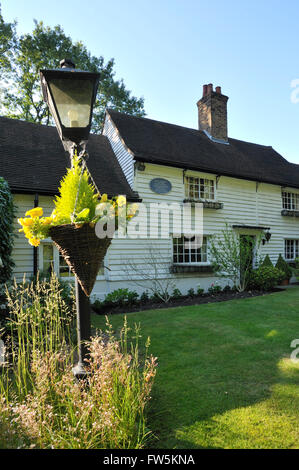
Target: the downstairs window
pixel 291 249
pixel 184 251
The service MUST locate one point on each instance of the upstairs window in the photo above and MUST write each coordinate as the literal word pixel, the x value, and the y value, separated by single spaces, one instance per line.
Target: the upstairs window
pixel 290 201
pixel 291 249
pixel 185 253
pixel 199 188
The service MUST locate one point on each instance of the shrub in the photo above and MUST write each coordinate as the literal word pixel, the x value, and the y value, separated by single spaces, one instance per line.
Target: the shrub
pixel 144 298
pixel 191 293
pixel 176 294
pixel 97 305
pixel 156 297
pixel 214 289
pixel 267 261
pixel 227 288
pixel 200 291
pixel 120 297
pixel 7 212
pixel 265 278
pixel 282 265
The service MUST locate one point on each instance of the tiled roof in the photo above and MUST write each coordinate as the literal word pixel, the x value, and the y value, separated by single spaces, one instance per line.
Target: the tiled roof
pixel 32 159
pixel 168 144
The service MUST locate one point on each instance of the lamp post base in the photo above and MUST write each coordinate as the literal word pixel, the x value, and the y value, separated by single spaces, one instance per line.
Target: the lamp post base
pixel 83 331
pixel 79 371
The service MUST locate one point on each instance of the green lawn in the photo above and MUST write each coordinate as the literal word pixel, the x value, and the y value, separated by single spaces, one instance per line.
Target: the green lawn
pixel 225 378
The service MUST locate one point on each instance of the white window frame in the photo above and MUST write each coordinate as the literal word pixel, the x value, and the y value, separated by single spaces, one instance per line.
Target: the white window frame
pixel 199 181
pixel 191 263
pixel 44 242
pixel 295 248
pixel 290 200
pixel 48 241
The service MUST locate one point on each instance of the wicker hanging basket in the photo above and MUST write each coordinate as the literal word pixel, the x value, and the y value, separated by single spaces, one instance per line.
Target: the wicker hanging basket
pixel 82 250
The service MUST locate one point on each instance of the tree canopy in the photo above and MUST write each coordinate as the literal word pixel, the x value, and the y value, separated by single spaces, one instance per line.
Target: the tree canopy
pixel 23 56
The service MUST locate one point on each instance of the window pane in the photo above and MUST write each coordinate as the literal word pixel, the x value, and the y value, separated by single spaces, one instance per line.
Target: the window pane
pixel 184 251
pixel 64 270
pixel 48 258
pixel 199 188
pixel 48 252
pixel 101 270
pixel 291 249
pixel 290 201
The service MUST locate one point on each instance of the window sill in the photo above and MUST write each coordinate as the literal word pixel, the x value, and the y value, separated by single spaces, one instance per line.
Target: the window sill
pixel 189 268
pixel 289 213
pixel 206 204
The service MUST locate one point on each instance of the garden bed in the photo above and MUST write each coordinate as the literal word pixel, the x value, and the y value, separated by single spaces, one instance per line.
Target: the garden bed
pixel 181 302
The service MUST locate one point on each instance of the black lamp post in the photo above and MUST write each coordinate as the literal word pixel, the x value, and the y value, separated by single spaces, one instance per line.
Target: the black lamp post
pixel 70 95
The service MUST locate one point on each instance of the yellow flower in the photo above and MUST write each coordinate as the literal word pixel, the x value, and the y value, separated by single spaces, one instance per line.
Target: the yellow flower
pixel 27 231
pixel 47 220
pixel 121 200
pixel 132 209
pixel 25 222
pixel 36 212
pixel 34 241
pixel 104 198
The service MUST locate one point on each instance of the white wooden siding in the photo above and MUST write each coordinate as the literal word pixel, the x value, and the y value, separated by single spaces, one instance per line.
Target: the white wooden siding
pixel 245 202
pixel 124 157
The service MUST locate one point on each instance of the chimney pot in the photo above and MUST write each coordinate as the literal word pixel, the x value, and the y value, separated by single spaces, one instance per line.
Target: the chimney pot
pixel 212 113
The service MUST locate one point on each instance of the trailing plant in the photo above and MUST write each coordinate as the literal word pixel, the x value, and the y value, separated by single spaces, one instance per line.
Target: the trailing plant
pixel 78 203
pixel 282 265
pixel 7 213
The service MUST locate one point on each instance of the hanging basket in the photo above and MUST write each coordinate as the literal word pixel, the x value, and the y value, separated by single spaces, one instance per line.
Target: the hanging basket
pixel 82 250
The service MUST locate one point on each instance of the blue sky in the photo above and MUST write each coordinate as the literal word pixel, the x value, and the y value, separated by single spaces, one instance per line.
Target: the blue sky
pixel 165 50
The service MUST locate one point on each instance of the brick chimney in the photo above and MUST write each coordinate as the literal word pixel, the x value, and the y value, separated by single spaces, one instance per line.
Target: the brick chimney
pixel 212 113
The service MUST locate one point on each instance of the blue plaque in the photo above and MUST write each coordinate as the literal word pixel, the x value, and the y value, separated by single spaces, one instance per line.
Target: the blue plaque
pixel 160 186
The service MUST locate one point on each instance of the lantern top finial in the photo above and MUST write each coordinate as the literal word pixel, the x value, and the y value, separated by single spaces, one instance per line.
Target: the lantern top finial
pixel 67 64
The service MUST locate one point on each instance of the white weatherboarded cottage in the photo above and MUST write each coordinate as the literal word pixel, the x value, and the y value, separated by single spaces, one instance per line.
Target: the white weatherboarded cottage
pixel 251 187
pixel 248 186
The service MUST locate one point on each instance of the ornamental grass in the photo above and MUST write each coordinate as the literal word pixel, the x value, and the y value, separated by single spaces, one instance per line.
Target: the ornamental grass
pixel 43 406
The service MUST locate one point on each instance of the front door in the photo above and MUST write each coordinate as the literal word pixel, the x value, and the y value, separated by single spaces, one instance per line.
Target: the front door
pixel 247 247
